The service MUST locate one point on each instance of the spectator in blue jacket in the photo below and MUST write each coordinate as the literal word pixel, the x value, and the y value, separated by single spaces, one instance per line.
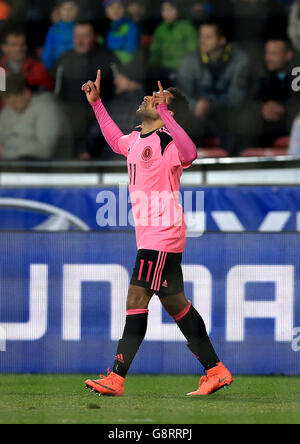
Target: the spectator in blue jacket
pixel 123 37
pixel 60 36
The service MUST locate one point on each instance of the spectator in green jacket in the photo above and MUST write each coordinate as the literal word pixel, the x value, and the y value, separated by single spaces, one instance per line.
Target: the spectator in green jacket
pixel 172 41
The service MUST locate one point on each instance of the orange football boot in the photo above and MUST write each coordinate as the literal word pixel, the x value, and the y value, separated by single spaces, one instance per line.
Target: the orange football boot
pixel 110 385
pixel 215 379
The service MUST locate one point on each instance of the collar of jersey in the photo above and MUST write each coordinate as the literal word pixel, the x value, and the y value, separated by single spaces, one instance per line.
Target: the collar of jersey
pixel 143 136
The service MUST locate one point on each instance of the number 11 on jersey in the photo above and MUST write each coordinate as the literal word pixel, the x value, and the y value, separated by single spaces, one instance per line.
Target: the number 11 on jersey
pixel 132 173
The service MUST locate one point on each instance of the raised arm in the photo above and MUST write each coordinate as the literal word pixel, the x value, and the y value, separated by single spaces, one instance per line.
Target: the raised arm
pixel 186 148
pixel 110 130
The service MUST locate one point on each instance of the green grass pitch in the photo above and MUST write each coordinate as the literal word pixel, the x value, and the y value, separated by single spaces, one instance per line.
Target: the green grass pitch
pixel 148 399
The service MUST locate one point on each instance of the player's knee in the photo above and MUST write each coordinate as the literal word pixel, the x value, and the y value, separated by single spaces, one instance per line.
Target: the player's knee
pixel 138 297
pixel 174 304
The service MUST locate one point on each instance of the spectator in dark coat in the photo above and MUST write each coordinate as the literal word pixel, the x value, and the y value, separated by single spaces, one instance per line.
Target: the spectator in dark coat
pixel 272 105
pixel 77 65
pixel 213 78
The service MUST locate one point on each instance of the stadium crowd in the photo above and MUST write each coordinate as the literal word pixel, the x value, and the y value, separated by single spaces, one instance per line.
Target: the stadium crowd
pixel 233 59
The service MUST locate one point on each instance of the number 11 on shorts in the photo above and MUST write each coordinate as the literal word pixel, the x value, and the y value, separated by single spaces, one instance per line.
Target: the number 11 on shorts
pixel 150 266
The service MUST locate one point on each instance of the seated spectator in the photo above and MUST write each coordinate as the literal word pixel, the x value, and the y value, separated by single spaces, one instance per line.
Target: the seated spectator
pixel 32 126
pixel 172 41
pixel 129 93
pixel 77 65
pixel 294 25
pixel 4 10
pixel 16 60
pixel 272 105
pixel 123 37
pixel 213 78
pixel 60 36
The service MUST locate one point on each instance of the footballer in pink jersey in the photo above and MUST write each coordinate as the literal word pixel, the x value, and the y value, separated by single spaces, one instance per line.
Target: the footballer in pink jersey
pixel 156 155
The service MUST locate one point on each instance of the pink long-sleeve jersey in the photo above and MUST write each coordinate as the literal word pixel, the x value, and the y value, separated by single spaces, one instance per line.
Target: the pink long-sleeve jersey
pixel 155 165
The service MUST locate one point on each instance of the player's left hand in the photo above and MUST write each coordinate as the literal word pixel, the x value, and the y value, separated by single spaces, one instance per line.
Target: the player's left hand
pixel 159 97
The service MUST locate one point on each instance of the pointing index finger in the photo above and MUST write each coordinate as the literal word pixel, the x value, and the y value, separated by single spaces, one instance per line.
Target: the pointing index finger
pixel 161 90
pixel 98 80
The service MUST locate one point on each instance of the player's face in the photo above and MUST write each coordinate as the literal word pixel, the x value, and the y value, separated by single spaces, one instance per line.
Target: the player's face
pixel 147 110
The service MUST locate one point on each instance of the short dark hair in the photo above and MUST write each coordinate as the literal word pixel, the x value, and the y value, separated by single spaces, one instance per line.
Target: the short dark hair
pixel 179 104
pixel 86 23
pixel 286 41
pixel 220 29
pixel 15 85
pixel 12 29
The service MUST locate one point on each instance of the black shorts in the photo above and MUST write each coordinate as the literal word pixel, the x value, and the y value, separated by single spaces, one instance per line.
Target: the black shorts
pixel 158 271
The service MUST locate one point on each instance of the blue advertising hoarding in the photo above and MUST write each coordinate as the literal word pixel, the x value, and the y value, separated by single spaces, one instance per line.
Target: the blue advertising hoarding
pixel 227 209
pixel 62 302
